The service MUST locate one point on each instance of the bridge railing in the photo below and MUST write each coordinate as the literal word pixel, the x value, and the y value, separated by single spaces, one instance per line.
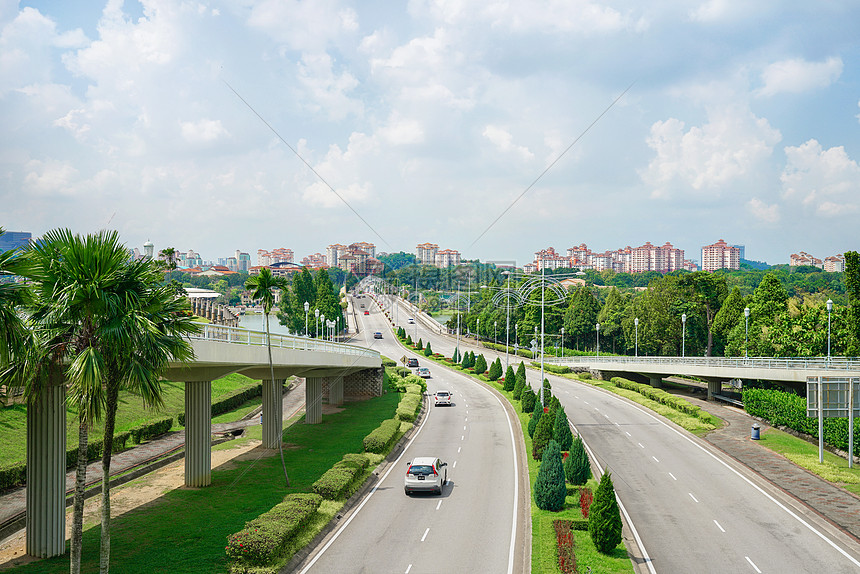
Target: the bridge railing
pixel 238 335
pixel 785 363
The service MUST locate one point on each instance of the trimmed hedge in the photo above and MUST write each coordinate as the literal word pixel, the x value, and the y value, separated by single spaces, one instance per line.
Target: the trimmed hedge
pixel 557 369
pixel 13 475
pixel 789 410
pixel 151 429
pixel 338 480
pixel 660 396
pixel 408 407
pixel 264 539
pixel 386 362
pixel 230 401
pixel 379 439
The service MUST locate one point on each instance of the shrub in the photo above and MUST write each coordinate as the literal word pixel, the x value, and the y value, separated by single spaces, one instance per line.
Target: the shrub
pixel 408 407
pixel 495 370
pixel 561 431
pixel 152 429
pixel 228 402
pixel 533 421
pixel 379 439
pixel 550 490
pixel 521 381
pixel 409 340
pixel 12 475
pixel 528 399
pixel 510 379
pixel 264 539
pixel 334 481
pixel 427 350
pixel 480 365
pixel 585 375
pixel 604 520
pixel 420 344
pixel 658 395
pixel 386 362
pixel 466 361
pixel 543 434
pixel 577 467
pixel 585 500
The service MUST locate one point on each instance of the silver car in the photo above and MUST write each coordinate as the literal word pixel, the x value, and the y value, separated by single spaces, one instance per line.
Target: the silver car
pixel 425 474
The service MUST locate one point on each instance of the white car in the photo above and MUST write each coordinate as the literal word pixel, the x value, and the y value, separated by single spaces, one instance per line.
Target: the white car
pixel 425 474
pixel 443 398
pixel 423 372
pixel 410 320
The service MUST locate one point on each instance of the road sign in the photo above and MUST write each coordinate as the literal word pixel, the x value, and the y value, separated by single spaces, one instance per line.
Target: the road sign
pixel 835 397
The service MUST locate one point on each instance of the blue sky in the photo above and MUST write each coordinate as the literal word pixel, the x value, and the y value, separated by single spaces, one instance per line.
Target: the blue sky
pixel 429 118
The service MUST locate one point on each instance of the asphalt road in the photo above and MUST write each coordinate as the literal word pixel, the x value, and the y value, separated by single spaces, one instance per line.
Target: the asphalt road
pixel 693 509
pixel 477 524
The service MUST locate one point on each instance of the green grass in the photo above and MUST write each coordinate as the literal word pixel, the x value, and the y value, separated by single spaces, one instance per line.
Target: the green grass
pixel 186 529
pixel 131 412
pixel 834 469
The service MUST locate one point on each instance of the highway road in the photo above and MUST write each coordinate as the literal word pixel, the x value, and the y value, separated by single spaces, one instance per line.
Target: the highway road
pixel 479 524
pixel 693 508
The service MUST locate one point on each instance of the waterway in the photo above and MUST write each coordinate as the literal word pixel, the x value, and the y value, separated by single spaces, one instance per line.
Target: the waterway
pixel 257 322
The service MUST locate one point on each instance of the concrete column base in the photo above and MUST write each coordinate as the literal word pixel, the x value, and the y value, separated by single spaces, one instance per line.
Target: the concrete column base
pixel 198 433
pixel 273 413
pixel 714 388
pixel 313 400
pixel 335 391
pixel 656 382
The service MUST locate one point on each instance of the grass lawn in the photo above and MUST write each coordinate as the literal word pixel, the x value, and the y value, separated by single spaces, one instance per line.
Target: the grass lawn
pixel 186 529
pixel 834 469
pixel 131 412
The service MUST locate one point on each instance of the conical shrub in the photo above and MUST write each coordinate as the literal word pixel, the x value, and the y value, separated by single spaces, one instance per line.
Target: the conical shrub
pixel 604 518
pixel 519 386
pixel 550 489
pixel 480 365
pixel 427 350
pixel 510 379
pixel 577 468
pixel 533 421
pixel 561 431
pixel 495 371
pixel 543 434
pixel 527 402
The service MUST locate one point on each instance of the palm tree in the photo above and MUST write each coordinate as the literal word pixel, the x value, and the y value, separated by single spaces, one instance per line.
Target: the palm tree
pixel 76 290
pixel 11 297
pixel 168 256
pixel 138 343
pixel 262 287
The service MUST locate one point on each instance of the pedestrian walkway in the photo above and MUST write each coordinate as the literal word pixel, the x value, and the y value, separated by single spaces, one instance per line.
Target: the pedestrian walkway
pixel 835 504
pixel 13 503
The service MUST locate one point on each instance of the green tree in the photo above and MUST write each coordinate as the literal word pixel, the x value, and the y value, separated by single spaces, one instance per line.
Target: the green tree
pixel 543 434
pixel 533 421
pixel 420 345
pixel 561 431
pixel 611 317
pixel 550 490
pixel 466 362
pixel 495 371
pixel 769 301
pixel 510 379
pixel 604 518
pixel 12 329
pixel 731 313
pixel 580 317
pixel 707 291
pixel 852 288
pixel 577 467
pixel 528 400
pixel 427 350
pixel 168 256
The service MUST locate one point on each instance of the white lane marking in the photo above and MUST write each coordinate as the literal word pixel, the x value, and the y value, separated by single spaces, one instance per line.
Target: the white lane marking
pixel 425 534
pixel 673 476
pixel 616 424
pixel 440 504
pixel 567 392
pixel 576 396
pixel 586 402
pixel 627 433
pixel 368 497
pixel 597 409
pixel 408 569
pixel 693 497
pixel 466 420
pixel 752 564
pixel 755 486
pixel 640 445
pixel 655 458
pixel 454 465
pixel 715 522
pixel 459 448
pixel 464 427
pixel 463 437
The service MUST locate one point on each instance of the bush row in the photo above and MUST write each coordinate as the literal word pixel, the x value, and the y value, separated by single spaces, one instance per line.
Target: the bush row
pixel 409 404
pixel 265 538
pixel 399 383
pixel 557 369
pixel 382 436
pixel 789 410
pixel 230 401
pixel 337 480
pixel 659 395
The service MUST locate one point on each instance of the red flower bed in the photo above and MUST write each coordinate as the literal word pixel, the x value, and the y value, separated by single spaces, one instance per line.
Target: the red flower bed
pixel 585 500
pixel 564 546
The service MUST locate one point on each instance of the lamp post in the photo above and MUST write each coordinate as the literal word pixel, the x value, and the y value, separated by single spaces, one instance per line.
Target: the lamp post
pixel 316 323
pixel 636 324
pixel 457 348
pixel 562 341
pixel 478 330
pixel 746 330
pixel 683 334
pixel 322 322
pixel 597 326
pixel 307 306
pixel 495 324
pixel 507 316
pixel 829 309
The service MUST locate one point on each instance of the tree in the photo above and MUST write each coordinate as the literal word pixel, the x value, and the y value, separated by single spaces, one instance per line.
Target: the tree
pixel 727 318
pixel 420 345
pixel 427 350
pixel 510 379
pixel 262 287
pixel 12 334
pixel 528 400
pixel 519 387
pixel 169 256
pixel 561 431
pixel 580 317
pixel 550 490
pixel 708 291
pixel 480 365
pixel 577 468
pixel 543 433
pixel 852 287
pixel 466 363
pixel 533 421
pixel 604 518
pixel 611 317
pixel 495 372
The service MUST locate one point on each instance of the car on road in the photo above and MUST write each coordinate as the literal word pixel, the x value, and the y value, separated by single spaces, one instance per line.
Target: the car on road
pixel 410 320
pixel 423 372
pixel 425 474
pixel 377 335
pixel 412 362
pixel 442 398
pixel 366 312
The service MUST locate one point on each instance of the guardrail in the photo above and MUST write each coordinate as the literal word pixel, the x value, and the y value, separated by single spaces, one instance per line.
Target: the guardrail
pixel 238 335
pixel 784 363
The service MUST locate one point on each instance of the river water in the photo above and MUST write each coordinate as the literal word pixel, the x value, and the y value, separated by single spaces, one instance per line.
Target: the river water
pixel 256 322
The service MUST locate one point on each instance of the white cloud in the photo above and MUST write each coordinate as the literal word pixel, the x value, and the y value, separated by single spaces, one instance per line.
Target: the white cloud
pixel 503 140
pixel 326 90
pixel 202 131
pixel 51 178
pixel 733 144
pixel 402 131
pixel 714 11
pixel 827 181
pixel 763 212
pixel 797 75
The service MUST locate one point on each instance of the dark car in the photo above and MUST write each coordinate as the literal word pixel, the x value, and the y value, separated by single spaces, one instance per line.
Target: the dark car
pixel 412 362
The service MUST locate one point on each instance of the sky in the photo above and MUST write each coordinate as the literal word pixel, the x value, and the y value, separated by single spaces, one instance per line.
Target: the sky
pixel 493 128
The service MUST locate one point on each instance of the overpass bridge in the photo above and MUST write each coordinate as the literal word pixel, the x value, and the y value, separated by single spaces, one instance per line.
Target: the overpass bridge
pixel 792 372
pixel 331 369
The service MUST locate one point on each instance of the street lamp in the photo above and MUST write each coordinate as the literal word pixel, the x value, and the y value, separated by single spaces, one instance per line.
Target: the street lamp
pixel 746 329
pixel 478 330
pixel 562 341
pixel 495 324
pixel 597 326
pixel 829 309
pixel 307 306
pixel 683 333
pixel 507 316
pixel 317 322
pixel 636 323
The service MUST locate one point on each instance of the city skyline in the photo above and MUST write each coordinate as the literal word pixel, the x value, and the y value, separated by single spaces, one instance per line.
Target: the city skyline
pixel 457 121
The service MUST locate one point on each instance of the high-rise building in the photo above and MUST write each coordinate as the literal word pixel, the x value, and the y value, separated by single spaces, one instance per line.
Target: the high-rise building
pixel 15 240
pixel 447 258
pixel 720 255
pixel 243 261
pixel 426 253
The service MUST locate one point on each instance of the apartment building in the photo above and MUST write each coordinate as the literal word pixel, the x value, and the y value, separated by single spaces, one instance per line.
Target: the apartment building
pixel 647 257
pixel 279 255
pixel 315 261
pixel 426 253
pixel 447 258
pixel 832 264
pixel 720 255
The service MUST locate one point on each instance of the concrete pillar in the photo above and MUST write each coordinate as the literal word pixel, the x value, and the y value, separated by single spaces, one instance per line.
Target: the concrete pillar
pixel 198 433
pixel 714 388
pixel 273 413
pixel 655 382
pixel 335 391
pixel 46 472
pixel 313 400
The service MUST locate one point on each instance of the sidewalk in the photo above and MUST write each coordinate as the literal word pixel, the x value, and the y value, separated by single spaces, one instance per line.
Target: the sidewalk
pixel 14 502
pixel 835 504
